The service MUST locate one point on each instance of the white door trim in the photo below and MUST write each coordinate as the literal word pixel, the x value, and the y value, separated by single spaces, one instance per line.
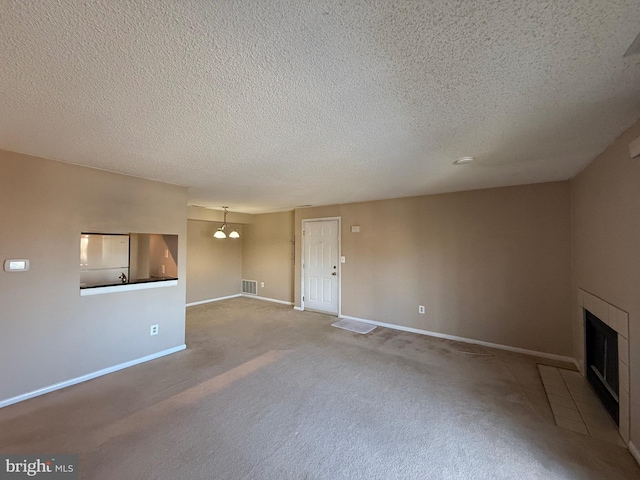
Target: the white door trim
pixel 309 220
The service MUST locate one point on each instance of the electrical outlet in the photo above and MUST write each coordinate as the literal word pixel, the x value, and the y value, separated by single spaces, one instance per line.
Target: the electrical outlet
pixel 261 284
pixel 153 330
pixel 420 308
pixel 163 269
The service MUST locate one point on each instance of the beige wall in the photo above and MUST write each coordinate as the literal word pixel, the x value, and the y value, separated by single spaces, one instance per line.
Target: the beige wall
pixel 606 243
pixel 267 254
pixel 491 265
pixel 158 245
pixel 210 215
pixel 138 256
pixel 49 332
pixel 214 265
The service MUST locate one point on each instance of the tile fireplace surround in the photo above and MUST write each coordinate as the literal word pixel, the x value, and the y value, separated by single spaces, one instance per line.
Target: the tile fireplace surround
pixel 618 320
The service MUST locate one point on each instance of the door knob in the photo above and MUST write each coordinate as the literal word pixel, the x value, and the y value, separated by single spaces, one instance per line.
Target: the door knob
pixel 334 273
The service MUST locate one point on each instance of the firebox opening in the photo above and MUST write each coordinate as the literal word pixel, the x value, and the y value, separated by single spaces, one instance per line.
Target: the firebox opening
pixel 601 343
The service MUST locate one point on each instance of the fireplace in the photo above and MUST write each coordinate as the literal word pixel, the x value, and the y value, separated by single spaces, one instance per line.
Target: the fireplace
pixel 601 348
pixel 618 320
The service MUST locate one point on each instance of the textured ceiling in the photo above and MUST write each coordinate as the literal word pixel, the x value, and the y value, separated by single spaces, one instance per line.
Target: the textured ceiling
pixel 266 105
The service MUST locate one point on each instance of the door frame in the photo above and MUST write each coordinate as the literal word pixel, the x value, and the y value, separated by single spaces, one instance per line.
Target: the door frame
pixel 322 219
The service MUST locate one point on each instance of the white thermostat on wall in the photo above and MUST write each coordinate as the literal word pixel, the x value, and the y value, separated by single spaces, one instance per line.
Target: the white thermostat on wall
pixel 16 265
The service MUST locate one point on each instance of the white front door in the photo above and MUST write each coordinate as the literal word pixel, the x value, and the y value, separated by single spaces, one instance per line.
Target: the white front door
pixel 320 265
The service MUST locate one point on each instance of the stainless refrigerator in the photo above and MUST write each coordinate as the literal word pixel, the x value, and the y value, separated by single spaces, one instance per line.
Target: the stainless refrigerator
pixel 104 259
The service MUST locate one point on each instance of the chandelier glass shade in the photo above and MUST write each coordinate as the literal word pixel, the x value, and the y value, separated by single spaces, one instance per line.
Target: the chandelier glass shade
pixel 220 231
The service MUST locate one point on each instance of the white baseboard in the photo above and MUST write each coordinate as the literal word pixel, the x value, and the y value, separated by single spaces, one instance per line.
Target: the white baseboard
pixel 88 376
pixel 634 451
pixel 267 299
pixel 295 307
pixel 213 300
pixel 463 339
pixel 575 362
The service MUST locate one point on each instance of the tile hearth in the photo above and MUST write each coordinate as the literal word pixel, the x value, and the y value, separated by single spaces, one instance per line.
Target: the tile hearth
pixel 575 406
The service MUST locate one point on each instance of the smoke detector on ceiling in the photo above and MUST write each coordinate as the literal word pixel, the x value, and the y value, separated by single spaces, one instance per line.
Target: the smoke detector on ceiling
pixel 463 160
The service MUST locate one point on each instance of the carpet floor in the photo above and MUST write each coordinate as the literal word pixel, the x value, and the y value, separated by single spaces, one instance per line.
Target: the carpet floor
pixel 267 392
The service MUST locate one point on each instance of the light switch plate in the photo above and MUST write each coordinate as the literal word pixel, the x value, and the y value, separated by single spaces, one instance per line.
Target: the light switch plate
pixel 343 259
